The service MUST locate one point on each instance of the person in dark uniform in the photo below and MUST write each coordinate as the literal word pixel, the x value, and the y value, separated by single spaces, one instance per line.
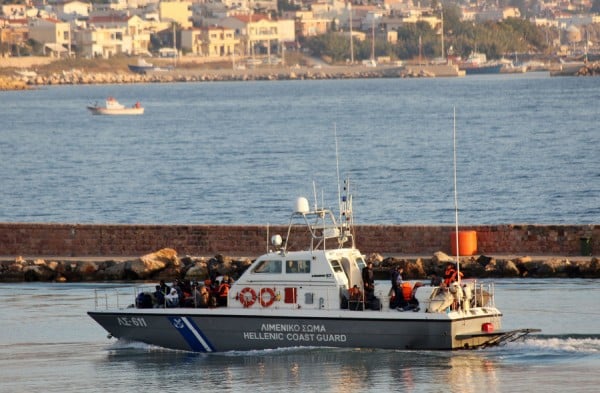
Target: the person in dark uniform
pixel 396 278
pixel 368 281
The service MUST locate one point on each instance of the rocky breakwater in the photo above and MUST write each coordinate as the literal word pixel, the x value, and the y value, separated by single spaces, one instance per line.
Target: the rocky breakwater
pixel 80 77
pixel 167 264
pixel 589 69
pixel 7 83
pixel 162 264
pixel 483 266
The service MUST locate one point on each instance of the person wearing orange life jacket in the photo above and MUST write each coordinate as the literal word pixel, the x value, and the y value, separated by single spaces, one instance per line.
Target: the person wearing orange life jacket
pixel 354 293
pixel 223 291
pixel 450 274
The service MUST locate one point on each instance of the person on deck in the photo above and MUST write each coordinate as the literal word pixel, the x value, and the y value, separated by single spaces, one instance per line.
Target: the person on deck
pixel 159 298
pixel 223 292
pixel 397 297
pixel 164 287
pixel 368 281
pixel 451 274
pixel 201 296
pixel 172 298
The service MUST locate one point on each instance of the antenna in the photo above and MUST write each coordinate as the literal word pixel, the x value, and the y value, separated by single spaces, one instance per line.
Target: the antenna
pixel 315 195
pixel 337 164
pixel 456 201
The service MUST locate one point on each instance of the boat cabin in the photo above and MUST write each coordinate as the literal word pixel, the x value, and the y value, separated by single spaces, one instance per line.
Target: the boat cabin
pixel 318 277
pixel 301 279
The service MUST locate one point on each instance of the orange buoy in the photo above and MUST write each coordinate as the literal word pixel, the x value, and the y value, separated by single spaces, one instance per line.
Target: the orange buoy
pixel 467 242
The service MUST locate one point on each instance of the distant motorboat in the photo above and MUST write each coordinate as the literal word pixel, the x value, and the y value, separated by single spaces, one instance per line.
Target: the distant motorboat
pixel 142 67
pixel 477 63
pixel 509 67
pixel 26 73
pixel 113 107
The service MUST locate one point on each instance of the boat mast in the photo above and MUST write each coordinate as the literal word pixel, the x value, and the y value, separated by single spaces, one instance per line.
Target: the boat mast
pixel 373 39
pixel 351 41
pixel 346 218
pixel 442 38
pixel 456 201
pixel 337 162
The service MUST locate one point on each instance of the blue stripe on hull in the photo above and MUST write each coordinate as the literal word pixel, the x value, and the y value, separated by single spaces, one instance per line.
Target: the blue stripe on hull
pixel 192 334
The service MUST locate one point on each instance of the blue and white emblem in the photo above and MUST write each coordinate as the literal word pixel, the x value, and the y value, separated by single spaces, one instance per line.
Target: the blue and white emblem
pixel 192 334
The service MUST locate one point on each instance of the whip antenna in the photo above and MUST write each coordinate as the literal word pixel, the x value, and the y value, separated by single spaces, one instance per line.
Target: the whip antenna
pixel 456 201
pixel 337 162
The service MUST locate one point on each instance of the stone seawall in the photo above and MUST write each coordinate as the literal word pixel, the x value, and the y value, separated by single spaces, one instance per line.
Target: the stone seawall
pixel 82 77
pixel 85 240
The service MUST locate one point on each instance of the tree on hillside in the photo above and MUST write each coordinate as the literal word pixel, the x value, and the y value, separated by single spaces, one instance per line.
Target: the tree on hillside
pixel 331 44
pixel 286 5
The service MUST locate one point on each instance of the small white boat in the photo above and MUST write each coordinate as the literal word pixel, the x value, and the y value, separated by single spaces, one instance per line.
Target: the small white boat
pixel 113 107
pixel 143 67
pixel 26 73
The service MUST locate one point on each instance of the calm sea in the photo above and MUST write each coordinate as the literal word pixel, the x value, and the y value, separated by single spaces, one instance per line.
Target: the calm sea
pixel 49 344
pixel 241 152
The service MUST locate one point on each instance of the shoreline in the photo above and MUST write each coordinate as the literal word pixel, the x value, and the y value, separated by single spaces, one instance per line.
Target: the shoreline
pixel 28 73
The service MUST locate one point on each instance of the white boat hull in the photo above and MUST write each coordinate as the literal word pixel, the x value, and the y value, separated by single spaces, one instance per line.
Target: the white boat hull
pixel 109 111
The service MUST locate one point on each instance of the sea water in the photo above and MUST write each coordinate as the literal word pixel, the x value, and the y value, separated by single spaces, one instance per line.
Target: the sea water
pixel 242 152
pixel 49 344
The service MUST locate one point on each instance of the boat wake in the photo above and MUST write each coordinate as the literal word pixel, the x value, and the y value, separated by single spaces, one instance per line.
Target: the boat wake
pixel 541 345
pixel 581 344
pixel 136 346
pixel 274 351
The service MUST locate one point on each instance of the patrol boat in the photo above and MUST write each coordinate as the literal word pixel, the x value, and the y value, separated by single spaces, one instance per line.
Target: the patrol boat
pixel 302 293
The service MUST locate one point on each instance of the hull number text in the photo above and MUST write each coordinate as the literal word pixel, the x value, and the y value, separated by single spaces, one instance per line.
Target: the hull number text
pixel 132 321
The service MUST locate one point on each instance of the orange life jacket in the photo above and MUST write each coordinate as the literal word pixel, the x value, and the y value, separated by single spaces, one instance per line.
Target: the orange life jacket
pixel 354 293
pixel 223 290
pixel 406 290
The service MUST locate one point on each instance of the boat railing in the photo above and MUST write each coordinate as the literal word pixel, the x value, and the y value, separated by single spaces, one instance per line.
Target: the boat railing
pixel 112 298
pixel 483 294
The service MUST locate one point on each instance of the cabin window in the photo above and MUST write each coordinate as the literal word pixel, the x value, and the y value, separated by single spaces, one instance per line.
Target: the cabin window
pixel 268 267
pixel 361 263
pixel 297 267
pixel 337 267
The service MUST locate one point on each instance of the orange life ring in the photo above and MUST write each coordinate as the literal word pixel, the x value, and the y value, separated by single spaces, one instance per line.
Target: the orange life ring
pixel 247 297
pixel 270 299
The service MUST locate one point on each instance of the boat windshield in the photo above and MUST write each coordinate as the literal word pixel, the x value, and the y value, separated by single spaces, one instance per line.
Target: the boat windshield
pixel 268 266
pixel 297 267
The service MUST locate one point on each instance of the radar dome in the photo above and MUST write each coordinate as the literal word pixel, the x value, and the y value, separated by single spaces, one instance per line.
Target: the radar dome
pixel 302 205
pixel 276 240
